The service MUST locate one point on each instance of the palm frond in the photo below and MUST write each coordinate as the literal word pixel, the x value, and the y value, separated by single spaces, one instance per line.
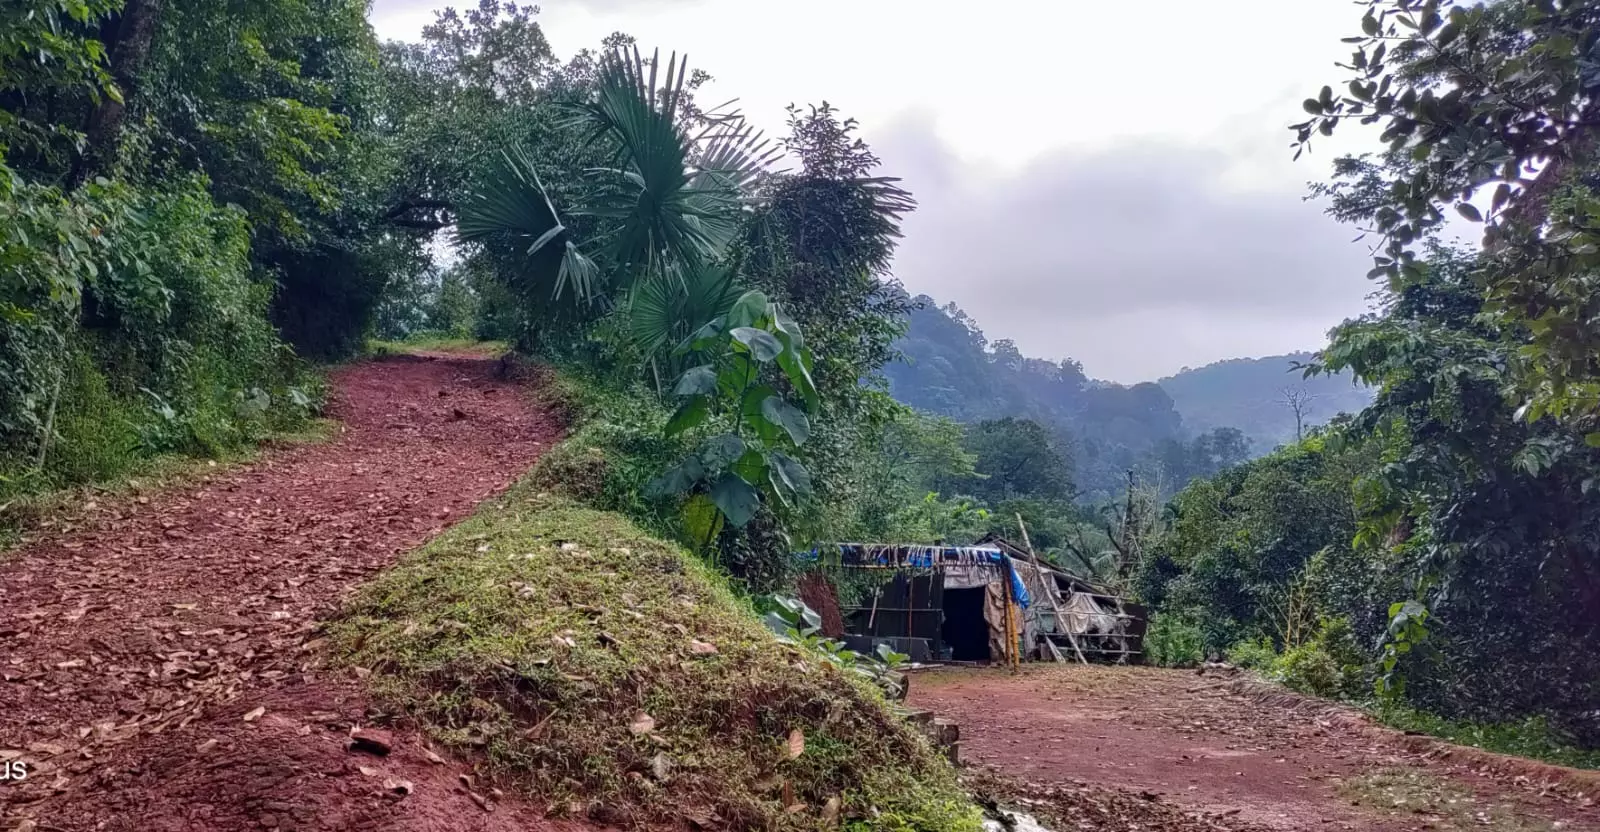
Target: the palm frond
pixel 675 198
pixel 664 312
pixel 511 211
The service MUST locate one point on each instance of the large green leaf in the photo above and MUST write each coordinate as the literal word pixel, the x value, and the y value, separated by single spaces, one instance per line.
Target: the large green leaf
pixel 668 311
pixel 752 467
pixel 750 412
pixel 761 343
pixel 787 330
pixel 721 451
pixel 748 309
pixel 677 198
pixel 796 368
pixel 677 479
pixel 738 373
pixel 510 207
pixel 787 416
pixel 689 414
pixel 736 498
pixel 701 521
pixel 788 473
pixel 697 381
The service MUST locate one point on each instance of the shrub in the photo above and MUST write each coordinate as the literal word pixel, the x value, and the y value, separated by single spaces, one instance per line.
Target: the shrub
pixel 1309 669
pixel 1258 655
pixel 1172 641
pixel 132 325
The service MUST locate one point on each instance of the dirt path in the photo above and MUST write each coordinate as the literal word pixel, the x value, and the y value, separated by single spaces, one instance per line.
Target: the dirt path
pixel 153 668
pixel 1236 762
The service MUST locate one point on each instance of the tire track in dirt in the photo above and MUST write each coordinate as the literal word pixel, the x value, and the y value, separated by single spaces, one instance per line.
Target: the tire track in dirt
pixel 154 668
pixel 1192 743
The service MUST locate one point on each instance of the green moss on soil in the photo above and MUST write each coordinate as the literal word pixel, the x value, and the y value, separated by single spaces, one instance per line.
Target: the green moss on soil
pixel 613 675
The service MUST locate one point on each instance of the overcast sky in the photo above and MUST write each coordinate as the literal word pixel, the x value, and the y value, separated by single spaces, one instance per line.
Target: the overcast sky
pixel 1106 181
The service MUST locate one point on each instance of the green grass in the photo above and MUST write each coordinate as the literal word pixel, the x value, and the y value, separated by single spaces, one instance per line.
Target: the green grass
pixel 435 343
pixel 1445 806
pixel 537 634
pixel 1532 738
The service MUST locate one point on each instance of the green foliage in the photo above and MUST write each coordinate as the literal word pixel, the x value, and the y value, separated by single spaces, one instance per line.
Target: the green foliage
pixel 1472 499
pixel 1485 108
pixel 44 52
pixel 173 354
pixel 745 350
pixel 668 200
pixel 1257 654
pixel 1016 458
pixel 1532 737
pixel 820 243
pixel 1309 669
pixel 1172 641
pixel 796 624
pixel 1237 543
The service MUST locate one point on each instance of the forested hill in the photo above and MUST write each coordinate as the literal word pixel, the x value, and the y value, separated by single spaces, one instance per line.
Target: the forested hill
pixel 951 369
pixel 1169 431
pixel 1259 396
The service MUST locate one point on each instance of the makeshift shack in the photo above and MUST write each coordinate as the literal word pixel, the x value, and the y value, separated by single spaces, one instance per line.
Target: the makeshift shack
pixel 984 603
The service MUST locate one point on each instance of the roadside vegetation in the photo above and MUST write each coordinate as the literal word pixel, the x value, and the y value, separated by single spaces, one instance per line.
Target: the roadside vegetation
pixel 1433 557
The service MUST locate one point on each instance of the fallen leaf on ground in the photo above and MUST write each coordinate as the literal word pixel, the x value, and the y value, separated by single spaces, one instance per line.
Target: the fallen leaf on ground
pixel 643 723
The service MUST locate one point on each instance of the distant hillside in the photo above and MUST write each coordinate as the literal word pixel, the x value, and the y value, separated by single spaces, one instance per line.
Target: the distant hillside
pixel 951 369
pixel 1254 395
pixel 1164 431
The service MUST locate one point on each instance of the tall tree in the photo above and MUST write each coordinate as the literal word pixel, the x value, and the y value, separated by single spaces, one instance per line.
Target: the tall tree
pixel 128 35
pixel 822 242
pixel 1490 112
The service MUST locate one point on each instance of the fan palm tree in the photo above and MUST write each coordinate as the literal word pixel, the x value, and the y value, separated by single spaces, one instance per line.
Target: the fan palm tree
pixel 669 204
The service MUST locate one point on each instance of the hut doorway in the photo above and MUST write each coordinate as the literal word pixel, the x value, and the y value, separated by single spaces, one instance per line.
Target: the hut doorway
pixel 965 629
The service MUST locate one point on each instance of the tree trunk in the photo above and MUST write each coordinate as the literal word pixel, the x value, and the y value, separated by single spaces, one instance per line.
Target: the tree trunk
pixel 134 31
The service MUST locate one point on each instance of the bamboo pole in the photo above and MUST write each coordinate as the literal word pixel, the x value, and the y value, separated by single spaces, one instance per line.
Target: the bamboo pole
pixel 49 424
pixel 1049 592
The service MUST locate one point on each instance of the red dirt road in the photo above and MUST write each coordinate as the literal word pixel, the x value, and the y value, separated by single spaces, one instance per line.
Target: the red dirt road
pixel 1242 762
pixel 154 670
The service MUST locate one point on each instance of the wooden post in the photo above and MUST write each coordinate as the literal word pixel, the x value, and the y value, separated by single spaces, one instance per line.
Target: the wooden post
pixel 911 602
pixel 1049 592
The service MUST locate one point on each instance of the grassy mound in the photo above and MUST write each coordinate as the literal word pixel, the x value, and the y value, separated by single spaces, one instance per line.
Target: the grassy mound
pixel 615 676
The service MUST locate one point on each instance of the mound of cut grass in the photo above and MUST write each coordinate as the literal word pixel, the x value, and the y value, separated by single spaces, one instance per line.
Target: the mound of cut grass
pixel 613 675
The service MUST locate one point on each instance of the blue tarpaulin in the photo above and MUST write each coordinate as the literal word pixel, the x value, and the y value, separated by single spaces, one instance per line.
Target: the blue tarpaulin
pixel 917 556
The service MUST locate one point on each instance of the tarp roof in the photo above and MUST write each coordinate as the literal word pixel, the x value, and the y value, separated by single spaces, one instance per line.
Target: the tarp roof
pixel 923 556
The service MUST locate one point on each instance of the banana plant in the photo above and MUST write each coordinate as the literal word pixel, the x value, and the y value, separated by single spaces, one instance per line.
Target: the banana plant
pixel 741 355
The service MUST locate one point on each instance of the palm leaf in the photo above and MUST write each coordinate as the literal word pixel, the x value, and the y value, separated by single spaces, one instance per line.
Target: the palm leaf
pixel 675 198
pixel 665 312
pixel 511 210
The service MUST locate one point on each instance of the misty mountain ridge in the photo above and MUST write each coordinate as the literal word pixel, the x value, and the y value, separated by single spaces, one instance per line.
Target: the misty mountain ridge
pixel 950 368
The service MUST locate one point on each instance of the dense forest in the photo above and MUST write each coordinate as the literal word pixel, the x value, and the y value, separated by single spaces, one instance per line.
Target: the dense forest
pixel 204 202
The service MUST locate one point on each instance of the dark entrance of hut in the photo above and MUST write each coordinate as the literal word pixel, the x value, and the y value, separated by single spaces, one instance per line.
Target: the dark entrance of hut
pixel 964 631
